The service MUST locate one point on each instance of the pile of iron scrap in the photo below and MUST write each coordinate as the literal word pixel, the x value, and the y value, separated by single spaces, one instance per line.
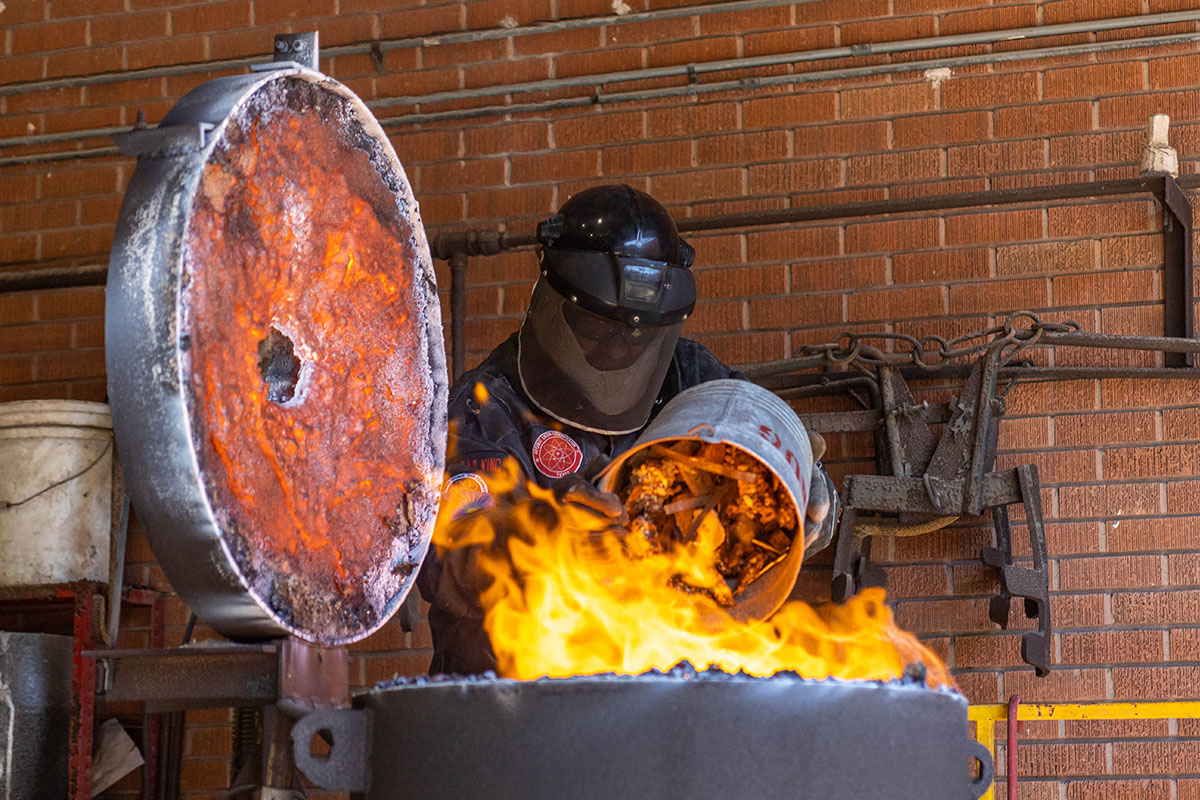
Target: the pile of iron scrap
pixel 726 509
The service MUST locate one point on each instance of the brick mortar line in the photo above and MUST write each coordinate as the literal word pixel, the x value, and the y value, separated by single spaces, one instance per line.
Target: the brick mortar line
pixel 1107 628
pixel 1069 593
pixel 963 562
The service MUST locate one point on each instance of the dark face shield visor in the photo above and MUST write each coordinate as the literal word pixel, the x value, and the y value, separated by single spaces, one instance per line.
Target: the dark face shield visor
pixel 589 371
pixel 637 291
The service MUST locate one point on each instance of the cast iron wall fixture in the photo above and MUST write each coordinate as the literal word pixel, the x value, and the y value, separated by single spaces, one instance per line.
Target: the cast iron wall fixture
pixel 921 487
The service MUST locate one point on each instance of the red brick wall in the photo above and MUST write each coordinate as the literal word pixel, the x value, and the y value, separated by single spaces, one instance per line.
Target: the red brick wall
pixel 1119 460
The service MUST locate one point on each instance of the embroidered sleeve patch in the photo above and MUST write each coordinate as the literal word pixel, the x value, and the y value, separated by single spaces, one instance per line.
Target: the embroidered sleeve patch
pixel 555 454
pixel 465 493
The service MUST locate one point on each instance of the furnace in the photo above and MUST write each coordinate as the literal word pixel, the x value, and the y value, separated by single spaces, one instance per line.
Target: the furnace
pixel 278 388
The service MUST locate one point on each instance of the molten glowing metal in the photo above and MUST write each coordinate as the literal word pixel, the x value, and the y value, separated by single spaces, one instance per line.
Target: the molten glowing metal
pixel 568 599
pixel 310 385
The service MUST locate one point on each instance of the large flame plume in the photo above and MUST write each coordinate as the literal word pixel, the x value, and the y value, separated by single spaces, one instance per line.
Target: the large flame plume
pixel 566 597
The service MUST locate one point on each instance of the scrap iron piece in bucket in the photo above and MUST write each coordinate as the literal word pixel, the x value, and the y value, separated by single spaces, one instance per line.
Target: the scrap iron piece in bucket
pixel 275 359
pixel 762 426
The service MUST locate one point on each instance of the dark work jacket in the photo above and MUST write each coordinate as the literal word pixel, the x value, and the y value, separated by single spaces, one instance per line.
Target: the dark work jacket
pixel 509 424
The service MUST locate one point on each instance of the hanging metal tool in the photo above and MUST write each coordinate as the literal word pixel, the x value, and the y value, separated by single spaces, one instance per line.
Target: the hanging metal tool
pixel 921 484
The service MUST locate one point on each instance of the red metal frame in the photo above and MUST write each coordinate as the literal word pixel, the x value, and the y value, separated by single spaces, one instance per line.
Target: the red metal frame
pixel 87 618
pixel 83 688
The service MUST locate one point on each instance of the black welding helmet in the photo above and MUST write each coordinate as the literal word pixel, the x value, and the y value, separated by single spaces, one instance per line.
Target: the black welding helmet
pixel 615 288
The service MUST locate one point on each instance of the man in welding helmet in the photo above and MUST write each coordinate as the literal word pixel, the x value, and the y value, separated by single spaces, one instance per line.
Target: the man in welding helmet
pixel 598 353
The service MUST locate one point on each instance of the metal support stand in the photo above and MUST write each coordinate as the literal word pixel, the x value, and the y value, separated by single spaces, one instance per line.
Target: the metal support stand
pixel 87 620
pixel 1023 582
pixel 458 312
pixel 288 679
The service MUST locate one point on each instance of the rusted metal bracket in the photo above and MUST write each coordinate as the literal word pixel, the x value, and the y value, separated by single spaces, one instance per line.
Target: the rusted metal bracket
pixel 916 491
pixel 1177 269
pixel 929 486
pixel 293 50
pixel 1031 585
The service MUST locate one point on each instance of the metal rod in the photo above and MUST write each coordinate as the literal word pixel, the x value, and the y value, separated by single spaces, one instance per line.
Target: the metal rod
pixel 454 37
pixel 587 22
pixel 692 88
pixel 754 62
pixel 117 582
pixel 813 385
pixel 789 79
pixel 907 205
pixel 187 631
pixel 485 242
pixel 62 136
pixel 756 371
pixel 1177 268
pixel 458 312
pixel 37 279
pixel 66 155
pixel 1115 341
pixel 1010 746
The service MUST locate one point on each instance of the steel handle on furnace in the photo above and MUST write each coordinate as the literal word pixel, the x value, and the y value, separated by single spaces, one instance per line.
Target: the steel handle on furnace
pixel 347 767
pixel 982 782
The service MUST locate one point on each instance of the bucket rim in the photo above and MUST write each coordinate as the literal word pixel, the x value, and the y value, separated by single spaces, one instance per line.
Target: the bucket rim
pixel 53 412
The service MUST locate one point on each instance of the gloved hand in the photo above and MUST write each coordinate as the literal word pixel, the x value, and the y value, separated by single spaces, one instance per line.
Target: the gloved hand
pixel 820 517
pixel 457 577
pixel 576 490
pixel 461 581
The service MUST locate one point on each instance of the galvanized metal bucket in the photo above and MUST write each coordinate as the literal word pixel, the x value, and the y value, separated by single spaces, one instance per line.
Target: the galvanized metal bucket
pixel 753 419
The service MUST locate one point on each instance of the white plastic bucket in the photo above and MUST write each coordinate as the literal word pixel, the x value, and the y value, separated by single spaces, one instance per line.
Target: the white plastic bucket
pixel 55 491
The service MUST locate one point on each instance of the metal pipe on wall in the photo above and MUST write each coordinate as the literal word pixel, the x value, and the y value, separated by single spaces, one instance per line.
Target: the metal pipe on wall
pixel 697 88
pixel 491 242
pixel 753 62
pixel 458 311
pixel 384 45
pixel 792 79
pixel 849 51
pixel 457 246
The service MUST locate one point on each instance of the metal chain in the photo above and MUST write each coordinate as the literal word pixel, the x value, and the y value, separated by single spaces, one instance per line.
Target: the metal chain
pixel 932 351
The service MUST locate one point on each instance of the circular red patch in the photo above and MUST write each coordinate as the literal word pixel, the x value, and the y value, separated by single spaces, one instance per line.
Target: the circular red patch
pixel 556 454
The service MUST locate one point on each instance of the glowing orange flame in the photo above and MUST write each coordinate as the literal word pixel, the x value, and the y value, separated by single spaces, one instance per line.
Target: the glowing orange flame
pixel 569 599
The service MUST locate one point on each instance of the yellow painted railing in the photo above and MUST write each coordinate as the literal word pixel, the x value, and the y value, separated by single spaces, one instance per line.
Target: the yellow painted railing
pixel 985 716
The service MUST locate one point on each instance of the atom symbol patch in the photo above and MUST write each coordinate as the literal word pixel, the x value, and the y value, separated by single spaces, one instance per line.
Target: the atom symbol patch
pixel 555 454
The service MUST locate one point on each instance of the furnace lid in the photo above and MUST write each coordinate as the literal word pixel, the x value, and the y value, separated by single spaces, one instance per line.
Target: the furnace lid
pixel 276 360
